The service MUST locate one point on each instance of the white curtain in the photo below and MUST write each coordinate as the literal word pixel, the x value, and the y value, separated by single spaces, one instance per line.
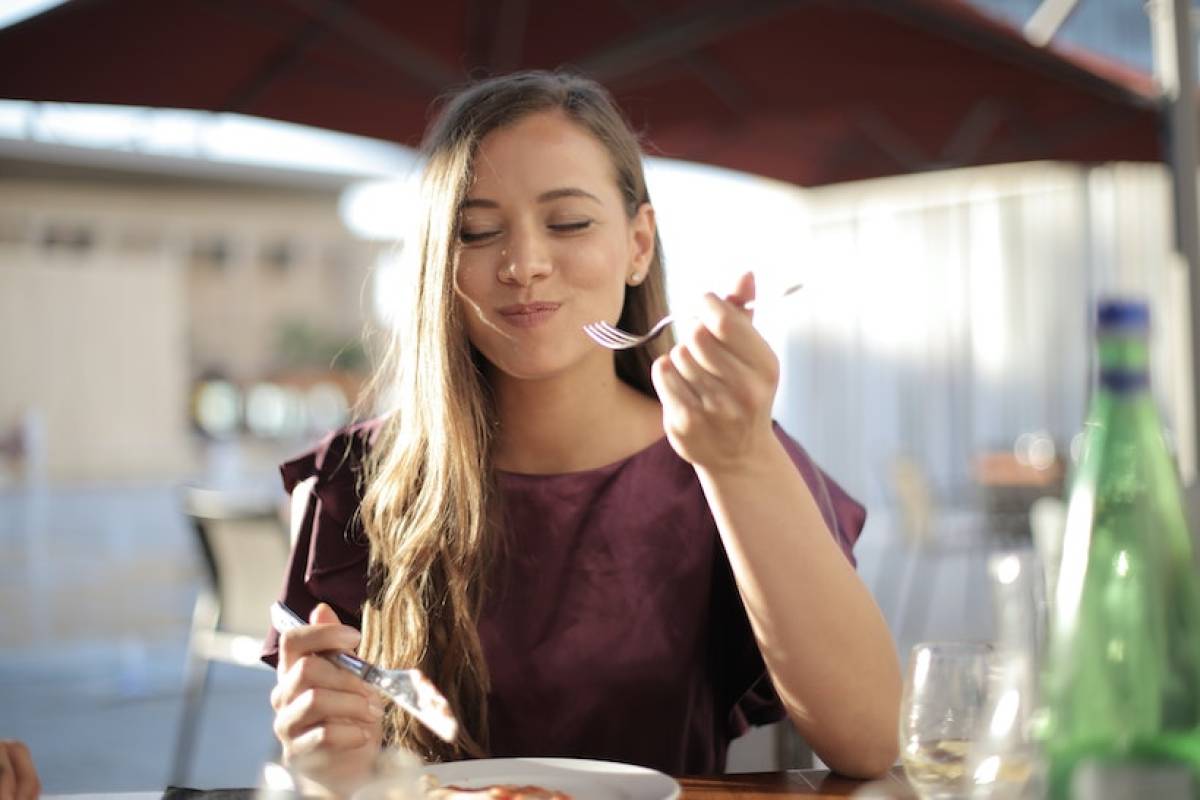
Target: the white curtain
pixel 946 314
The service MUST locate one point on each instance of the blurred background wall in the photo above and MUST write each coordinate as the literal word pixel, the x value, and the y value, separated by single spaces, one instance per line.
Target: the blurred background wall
pixel 120 301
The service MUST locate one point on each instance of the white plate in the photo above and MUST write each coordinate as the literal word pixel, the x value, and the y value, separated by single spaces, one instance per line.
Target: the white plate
pixel 580 778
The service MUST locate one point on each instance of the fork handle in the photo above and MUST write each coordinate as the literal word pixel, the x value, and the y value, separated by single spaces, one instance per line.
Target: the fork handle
pixel 347 661
pixel 773 296
pixel 284 619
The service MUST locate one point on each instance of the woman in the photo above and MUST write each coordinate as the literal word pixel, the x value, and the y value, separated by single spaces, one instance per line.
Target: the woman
pixel 591 554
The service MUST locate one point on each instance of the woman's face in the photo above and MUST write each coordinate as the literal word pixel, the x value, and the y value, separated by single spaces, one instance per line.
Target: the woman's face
pixel 546 246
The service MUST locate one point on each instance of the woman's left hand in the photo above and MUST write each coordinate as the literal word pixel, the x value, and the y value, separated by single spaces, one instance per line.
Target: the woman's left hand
pixel 717 385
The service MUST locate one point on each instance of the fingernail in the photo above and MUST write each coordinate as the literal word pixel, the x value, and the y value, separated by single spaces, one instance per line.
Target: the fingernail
pixel 376 710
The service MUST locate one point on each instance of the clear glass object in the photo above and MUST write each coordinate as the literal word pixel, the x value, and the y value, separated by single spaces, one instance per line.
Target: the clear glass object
pixel 395 774
pixel 1006 761
pixel 944 704
pixel 1122 675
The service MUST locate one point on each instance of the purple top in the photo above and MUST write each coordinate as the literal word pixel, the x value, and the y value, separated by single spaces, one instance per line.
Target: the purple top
pixel 613 628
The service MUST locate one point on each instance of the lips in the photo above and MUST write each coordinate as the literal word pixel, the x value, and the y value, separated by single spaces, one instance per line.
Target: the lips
pixel 528 315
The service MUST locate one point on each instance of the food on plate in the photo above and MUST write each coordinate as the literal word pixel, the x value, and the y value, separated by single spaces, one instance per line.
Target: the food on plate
pixel 498 791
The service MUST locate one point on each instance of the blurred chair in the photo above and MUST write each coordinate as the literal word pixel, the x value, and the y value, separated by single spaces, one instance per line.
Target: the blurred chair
pixel 915 499
pixel 930 534
pixel 791 750
pixel 244 547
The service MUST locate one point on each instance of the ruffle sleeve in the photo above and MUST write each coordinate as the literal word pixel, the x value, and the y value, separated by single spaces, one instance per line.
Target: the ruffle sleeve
pixel 747 687
pixel 844 516
pixel 329 557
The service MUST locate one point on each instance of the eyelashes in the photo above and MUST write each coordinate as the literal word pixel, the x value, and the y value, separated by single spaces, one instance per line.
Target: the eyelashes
pixel 571 227
pixel 475 237
pixel 481 236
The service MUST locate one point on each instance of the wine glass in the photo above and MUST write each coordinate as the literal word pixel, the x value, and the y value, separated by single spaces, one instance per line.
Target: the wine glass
pixel 943 708
pixel 277 782
pixel 395 774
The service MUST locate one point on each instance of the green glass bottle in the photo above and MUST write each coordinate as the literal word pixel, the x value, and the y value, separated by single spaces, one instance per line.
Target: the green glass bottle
pixel 1122 671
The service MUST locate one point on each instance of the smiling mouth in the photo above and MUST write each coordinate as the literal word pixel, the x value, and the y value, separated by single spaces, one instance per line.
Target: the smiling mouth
pixel 528 315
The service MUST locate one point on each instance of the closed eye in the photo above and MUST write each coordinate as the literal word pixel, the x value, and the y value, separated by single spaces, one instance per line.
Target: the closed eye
pixel 571 227
pixel 475 237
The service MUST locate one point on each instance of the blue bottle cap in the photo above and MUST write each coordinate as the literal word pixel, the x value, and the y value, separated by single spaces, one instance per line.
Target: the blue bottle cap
pixel 1123 314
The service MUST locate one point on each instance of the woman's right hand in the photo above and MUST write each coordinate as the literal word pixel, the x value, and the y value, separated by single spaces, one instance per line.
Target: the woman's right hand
pixel 329 722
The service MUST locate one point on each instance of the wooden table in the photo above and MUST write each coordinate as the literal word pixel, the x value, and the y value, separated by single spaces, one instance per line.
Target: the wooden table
pixel 809 783
pixel 802 783
pixel 1010 488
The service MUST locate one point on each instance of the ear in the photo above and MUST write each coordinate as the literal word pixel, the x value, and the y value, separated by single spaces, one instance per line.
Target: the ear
pixel 641 243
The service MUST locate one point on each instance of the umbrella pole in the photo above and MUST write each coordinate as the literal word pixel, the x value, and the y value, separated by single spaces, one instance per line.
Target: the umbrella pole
pixel 1173 40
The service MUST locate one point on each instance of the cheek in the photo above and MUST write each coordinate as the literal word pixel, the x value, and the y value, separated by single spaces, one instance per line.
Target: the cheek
pixel 600 264
pixel 472 316
pixel 471 277
pixel 471 286
pixel 482 336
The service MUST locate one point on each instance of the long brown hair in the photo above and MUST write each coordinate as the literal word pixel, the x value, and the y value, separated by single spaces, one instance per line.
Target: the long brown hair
pixel 429 505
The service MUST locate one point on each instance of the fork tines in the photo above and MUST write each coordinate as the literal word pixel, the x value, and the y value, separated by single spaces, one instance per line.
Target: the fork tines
pixel 607 335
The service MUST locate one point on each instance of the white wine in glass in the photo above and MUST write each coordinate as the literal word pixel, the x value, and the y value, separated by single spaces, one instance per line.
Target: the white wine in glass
pixel 944 704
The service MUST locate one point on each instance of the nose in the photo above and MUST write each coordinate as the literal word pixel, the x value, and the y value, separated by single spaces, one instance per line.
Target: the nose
pixel 526 257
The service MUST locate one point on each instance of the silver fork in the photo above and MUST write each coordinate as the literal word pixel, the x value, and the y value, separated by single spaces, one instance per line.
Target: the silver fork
pixel 614 338
pixel 407 688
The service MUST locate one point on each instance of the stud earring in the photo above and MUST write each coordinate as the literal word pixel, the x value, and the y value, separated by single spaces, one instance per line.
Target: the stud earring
pixel 635 278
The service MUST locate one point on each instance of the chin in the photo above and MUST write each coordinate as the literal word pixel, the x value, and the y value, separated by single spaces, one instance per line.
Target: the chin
pixel 534 361
pixel 533 366
pixel 528 372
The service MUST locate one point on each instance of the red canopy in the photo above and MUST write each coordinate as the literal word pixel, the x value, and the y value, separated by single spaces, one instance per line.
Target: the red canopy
pixel 809 92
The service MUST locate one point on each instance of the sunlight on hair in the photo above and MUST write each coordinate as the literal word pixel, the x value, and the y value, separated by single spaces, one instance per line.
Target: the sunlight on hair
pixel 387 284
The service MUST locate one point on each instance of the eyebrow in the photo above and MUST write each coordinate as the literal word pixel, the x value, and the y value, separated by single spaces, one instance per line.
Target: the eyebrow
pixel 544 197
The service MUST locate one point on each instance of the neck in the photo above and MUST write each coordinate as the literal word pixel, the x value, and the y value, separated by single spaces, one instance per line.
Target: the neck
pixel 570 423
